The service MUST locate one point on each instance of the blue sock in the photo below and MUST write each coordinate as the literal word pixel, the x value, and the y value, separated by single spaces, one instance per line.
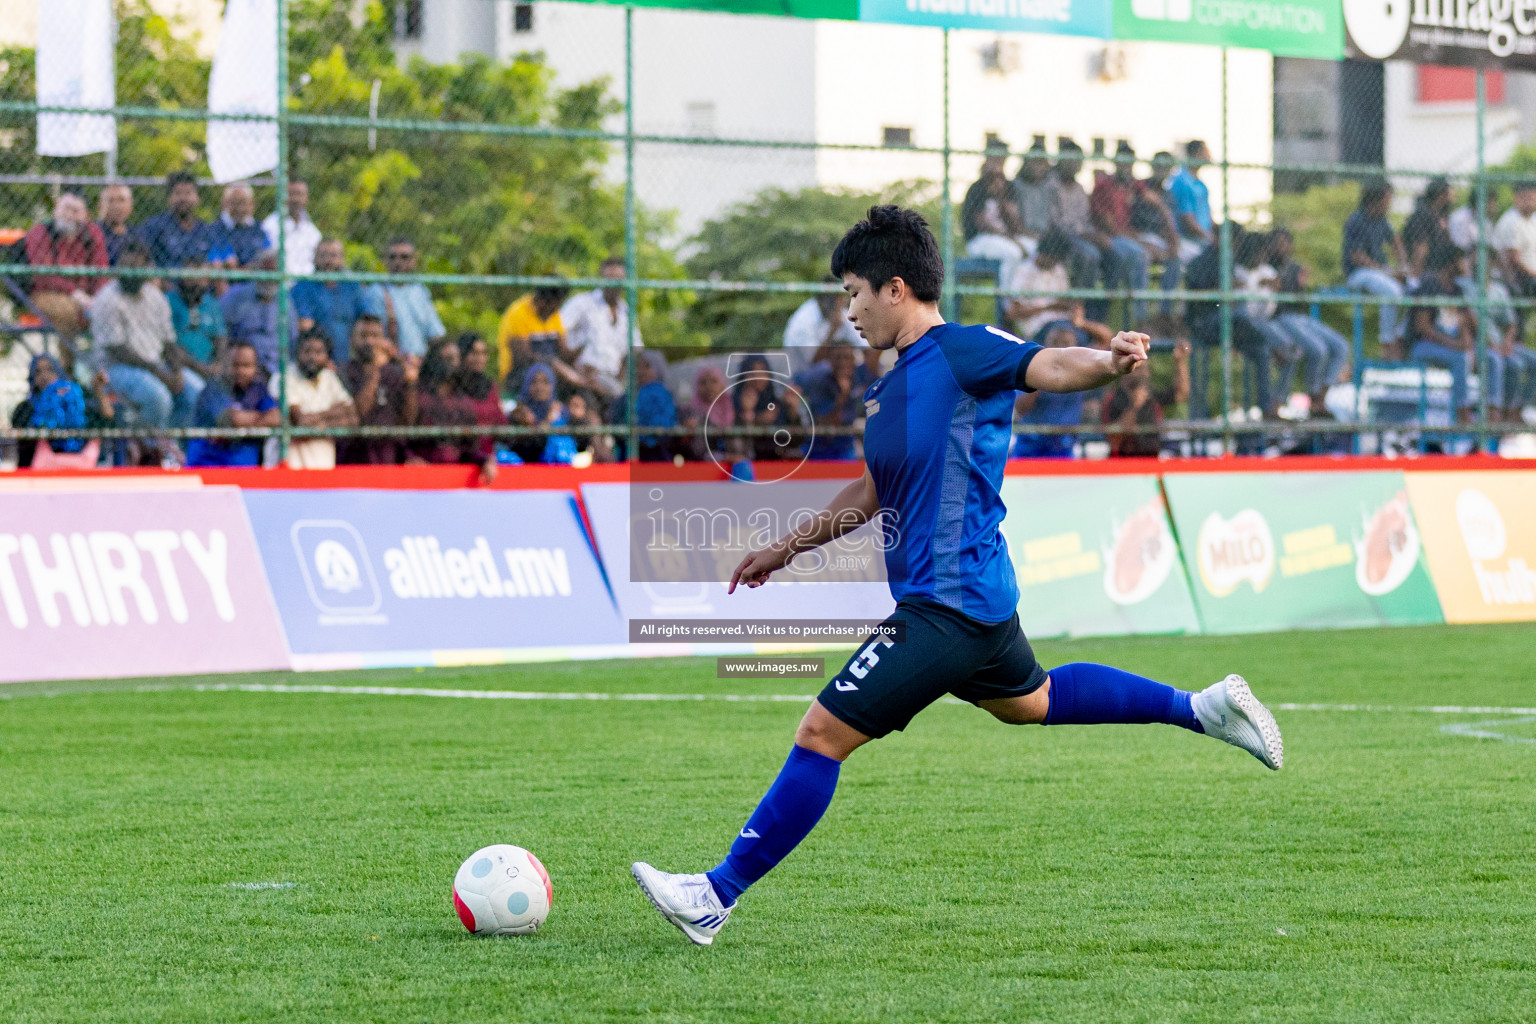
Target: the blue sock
pixel 786 814
pixel 1086 694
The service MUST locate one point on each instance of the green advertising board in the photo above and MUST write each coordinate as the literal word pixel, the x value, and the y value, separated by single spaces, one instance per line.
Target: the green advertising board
pixel 1095 556
pixel 1269 551
pixel 1291 28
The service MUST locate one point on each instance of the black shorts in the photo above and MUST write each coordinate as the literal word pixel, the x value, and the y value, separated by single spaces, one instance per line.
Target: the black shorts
pixel 885 684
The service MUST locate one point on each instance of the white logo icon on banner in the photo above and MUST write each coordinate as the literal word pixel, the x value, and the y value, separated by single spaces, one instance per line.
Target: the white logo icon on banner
pixel 337 572
pixel 1482 527
pixel 1377 27
pixel 336 567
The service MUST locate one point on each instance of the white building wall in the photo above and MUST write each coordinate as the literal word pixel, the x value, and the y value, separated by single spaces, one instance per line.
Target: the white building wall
pixel 1442 137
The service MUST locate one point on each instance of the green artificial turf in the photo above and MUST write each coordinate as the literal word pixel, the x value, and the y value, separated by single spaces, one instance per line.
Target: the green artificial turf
pixel 967 871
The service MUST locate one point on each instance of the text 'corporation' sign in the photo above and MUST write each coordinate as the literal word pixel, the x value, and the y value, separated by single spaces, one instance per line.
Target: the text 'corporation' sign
pixel 1293 28
pixel 1491 33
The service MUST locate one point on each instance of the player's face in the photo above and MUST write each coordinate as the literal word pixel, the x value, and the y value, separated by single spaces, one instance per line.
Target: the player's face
pixel 871 311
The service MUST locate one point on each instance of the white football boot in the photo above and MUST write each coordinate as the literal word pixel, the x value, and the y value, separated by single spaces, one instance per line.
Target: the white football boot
pixel 1229 711
pixel 688 901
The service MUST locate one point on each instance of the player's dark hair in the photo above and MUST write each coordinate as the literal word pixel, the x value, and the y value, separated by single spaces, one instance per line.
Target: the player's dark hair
pixel 178 178
pixel 889 243
pixel 1192 148
pixel 1442 255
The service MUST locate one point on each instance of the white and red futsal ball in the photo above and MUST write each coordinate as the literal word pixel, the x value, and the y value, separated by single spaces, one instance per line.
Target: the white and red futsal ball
pixel 502 890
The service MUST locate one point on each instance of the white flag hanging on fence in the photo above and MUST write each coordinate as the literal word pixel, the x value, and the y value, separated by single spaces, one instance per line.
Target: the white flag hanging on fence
pixel 244 81
pixel 75 69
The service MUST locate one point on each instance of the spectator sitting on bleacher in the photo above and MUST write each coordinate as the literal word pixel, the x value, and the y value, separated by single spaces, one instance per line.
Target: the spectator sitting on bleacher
pixel 819 323
pixel 710 409
pixel 654 407
pixel 579 411
pixel 441 403
pixel 1370 250
pixel 1462 224
pixel 131 322
pixel 834 390
pixel 1045 271
pixel 1191 202
pixel 1134 401
pixel 410 317
pixel 1514 237
pixel 250 313
pixel 1427 226
pixel 1204 318
pixel 1324 350
pixel 383 387
pixel 1253 275
pixel 68 240
pixel 234 237
pixel 238 398
pixel 989 220
pixel 303 237
pixel 1072 212
pixel 334 306
pixel 1122 255
pixel 115 207
pixel 1443 335
pixel 178 234
pixel 198 321
pixel 53 402
pixel 1153 225
pixel 1043 408
pixel 316 398
pixel 531 332
pixel 597 331
pixel 1033 195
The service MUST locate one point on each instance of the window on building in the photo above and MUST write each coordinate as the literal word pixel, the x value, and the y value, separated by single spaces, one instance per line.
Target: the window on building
pixel 522 18
pixel 1457 85
pixel 700 119
pixel 897 138
pixel 408 19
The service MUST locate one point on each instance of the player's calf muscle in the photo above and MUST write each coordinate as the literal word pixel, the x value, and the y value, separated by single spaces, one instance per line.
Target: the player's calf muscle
pixel 825 733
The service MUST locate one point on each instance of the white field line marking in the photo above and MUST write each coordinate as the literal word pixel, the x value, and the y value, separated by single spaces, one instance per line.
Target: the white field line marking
pixel 754 698
pixel 1480 730
pixel 261 885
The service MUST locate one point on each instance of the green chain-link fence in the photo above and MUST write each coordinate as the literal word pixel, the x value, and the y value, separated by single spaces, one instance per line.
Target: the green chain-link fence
pixel 582 133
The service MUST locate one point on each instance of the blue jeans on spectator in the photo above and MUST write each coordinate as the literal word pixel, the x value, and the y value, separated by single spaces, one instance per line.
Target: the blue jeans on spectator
pixel 1325 350
pixel 1125 265
pixel 1248 338
pixel 1384 285
pixel 1453 359
pixel 1085 270
pixel 1520 378
pixel 151 399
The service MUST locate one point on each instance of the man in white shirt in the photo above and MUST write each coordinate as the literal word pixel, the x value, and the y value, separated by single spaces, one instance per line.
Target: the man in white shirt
pixel 316 398
pixel 1045 271
pixel 819 323
pixel 303 236
pixel 597 330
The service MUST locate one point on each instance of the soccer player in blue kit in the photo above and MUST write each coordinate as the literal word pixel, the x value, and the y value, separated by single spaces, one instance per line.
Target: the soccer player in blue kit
pixel 936 435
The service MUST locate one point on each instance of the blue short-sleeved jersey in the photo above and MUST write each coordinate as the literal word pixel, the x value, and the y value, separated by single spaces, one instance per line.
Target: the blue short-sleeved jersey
pixel 936 435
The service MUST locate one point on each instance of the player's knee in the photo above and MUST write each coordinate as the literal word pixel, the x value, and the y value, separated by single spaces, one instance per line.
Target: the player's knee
pixel 824 733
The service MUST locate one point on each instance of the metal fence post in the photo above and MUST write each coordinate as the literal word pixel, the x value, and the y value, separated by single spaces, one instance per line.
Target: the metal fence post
pixel 631 290
pixel 947 221
pixel 285 428
pixel 1481 190
pixel 1225 237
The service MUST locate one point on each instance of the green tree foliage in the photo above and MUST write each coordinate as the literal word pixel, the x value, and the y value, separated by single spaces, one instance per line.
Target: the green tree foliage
pixel 472 203
pixel 778 235
pixel 1316 217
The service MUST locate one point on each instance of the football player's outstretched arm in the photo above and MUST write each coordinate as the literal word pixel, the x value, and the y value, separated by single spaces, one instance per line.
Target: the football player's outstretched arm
pixel 853 506
pixel 1083 369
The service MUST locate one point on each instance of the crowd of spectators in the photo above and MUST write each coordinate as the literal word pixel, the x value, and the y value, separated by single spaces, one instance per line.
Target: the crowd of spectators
pixel 189 350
